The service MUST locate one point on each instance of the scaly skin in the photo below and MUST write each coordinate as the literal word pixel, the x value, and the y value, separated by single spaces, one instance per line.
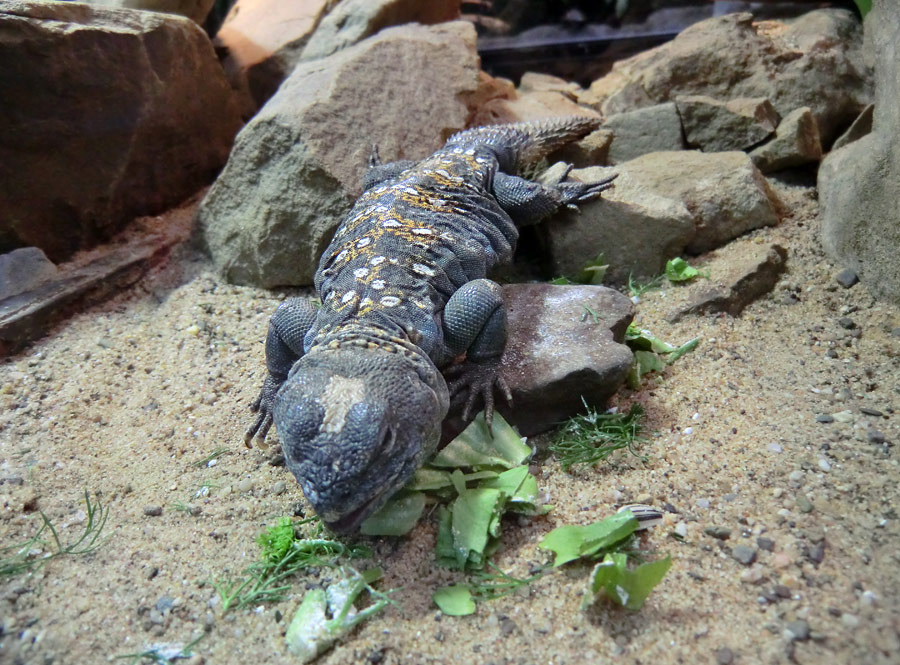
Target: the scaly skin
pixel 355 388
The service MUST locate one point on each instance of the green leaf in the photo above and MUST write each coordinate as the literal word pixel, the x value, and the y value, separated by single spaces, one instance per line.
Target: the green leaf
pixel 679 270
pixel 572 541
pixel 474 513
pixel 628 588
pixel 276 541
pixel 864 6
pixel 455 600
pixel 395 518
pixel 477 448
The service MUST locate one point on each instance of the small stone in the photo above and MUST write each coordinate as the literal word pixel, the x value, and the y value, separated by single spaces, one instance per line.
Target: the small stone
pixel 724 656
pixel 766 544
pixel 798 630
pixel 775 448
pixel 868 599
pixel 681 530
pixel 245 485
pixel 781 560
pixel 153 511
pixel 817 552
pixel 869 411
pixel 803 504
pixel 846 323
pixel 279 487
pixel 703 503
pixel 875 436
pixel 744 554
pixel 846 278
pixel 850 620
pixel 843 416
pixel 824 464
pixel 782 591
pixel 720 532
pixel 753 575
pixel 796 476
pixel 824 418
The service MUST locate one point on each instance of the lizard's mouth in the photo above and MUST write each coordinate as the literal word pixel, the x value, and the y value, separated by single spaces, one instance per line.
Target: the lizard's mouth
pixel 352 520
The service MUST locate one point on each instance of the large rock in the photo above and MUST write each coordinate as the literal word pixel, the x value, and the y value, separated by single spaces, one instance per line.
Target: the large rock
pixel 859 185
pixel 663 204
pixel 351 21
pixel 297 166
pixel 559 354
pixel 714 125
pixel 106 114
pixel 196 10
pixel 522 107
pixel 24 269
pixel 645 130
pixel 264 39
pixel 814 61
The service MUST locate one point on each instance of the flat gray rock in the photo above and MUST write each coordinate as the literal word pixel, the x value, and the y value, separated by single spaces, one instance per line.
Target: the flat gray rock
pixel 133 116
pixel 715 125
pixel 565 344
pixel 739 274
pixel 298 165
pixel 644 130
pixel 796 142
pixel 24 269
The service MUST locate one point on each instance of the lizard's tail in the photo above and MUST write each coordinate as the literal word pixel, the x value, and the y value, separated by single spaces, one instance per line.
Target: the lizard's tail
pixel 521 143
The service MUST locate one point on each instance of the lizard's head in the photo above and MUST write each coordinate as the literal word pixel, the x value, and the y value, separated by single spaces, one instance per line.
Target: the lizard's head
pixel 355 424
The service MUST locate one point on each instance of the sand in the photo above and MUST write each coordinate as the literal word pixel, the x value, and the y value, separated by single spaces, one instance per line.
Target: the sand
pixel 122 398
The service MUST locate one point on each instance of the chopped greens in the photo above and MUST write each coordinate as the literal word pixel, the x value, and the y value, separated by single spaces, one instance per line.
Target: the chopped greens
pixel 479 448
pixel 277 540
pixel 593 272
pixel 612 579
pixel 397 517
pixel 459 599
pixel 679 270
pixel 591 437
pixel 455 600
pixel 327 615
pixel 651 354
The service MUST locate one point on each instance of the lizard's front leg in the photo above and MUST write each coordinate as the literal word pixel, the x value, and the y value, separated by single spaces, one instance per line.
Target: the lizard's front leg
pixel 284 345
pixel 475 324
pixel 528 202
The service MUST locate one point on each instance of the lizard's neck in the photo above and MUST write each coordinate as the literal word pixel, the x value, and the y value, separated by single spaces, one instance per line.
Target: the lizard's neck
pixel 373 336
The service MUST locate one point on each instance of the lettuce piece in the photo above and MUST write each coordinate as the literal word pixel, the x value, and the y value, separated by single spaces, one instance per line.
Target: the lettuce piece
pixel 612 579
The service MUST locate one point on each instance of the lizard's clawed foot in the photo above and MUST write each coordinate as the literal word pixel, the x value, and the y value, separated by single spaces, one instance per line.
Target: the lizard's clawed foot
pixel 573 192
pixel 262 406
pixel 469 380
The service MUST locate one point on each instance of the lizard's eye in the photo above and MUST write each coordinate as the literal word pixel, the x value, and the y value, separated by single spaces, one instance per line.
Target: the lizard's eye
pixel 387 441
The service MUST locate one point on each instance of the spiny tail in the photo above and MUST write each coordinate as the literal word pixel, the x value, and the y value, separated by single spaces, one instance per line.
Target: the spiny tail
pixel 527 142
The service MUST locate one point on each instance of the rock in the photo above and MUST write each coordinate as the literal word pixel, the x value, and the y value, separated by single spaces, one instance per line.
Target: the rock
pixel 153 511
pixel 798 630
pixel 297 166
pixel 718 532
pixel 724 656
pixel 264 39
pixel 528 106
pixel 558 354
pixel 636 229
pixel 814 61
pixel 859 184
pixel 740 273
pixel 592 150
pixel 860 127
pixel 351 21
pixel 196 10
pixel 101 273
pixel 717 126
pixel 538 82
pixel 744 554
pixel 796 142
pixel 134 116
pixel 24 269
pixel 642 131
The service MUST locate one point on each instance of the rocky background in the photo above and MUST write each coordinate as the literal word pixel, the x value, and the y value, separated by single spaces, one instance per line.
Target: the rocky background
pixel 154 181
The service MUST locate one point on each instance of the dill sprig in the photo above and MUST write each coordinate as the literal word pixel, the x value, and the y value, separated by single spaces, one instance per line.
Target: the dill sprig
pixel 591 437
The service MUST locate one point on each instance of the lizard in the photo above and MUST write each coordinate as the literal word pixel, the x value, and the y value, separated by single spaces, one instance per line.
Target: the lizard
pixel 408 322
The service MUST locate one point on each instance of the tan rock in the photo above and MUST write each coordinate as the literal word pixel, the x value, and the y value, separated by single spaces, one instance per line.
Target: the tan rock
pixel 529 106
pixel 538 82
pixel 196 10
pixel 796 142
pixel 714 125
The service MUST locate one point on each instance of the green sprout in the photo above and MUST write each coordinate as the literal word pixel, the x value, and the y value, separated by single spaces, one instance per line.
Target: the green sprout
pixel 591 437
pixel 637 289
pixel 22 558
pixel 679 270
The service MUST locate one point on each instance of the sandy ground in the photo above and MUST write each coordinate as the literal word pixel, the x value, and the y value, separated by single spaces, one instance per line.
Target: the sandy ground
pixel 123 397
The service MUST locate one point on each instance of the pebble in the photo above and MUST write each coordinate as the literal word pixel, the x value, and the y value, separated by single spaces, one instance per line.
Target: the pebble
pixel 824 464
pixel 744 554
pixel 796 476
pixel 279 487
pixel 724 656
pixel 843 416
pixel 681 529
pixel 803 504
pixel 846 323
pixel 153 511
pixel 775 448
pixel 875 436
pixel 869 411
pixel 245 485
pixel 720 532
pixel 817 552
pixel 703 503
pixel 766 544
pixel 824 418
pixel 798 631
pixel 850 620
pixel 847 278
pixel 781 560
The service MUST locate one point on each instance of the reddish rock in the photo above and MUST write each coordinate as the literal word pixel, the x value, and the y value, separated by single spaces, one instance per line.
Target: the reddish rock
pixel 106 114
